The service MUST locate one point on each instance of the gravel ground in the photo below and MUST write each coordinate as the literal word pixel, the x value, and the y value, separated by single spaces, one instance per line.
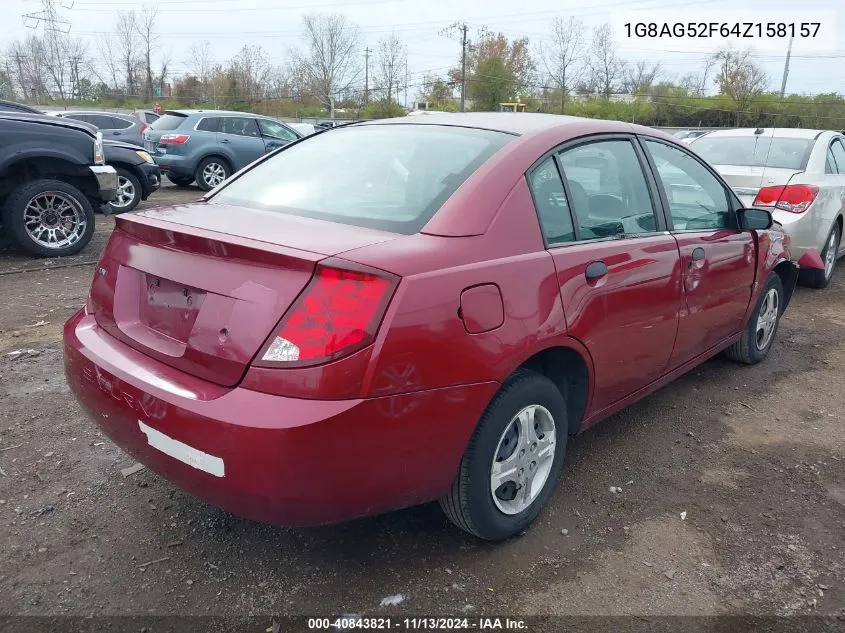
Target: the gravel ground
pixel 732 502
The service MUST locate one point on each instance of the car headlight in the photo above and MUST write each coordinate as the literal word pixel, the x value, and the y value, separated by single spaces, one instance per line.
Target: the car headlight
pixel 144 156
pixel 99 156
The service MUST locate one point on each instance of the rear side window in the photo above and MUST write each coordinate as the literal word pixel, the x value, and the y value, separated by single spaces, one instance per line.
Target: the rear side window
pixel 405 175
pixel 610 194
pixel 829 162
pixel 839 155
pixel 169 121
pixel 755 151
pixel 239 126
pixel 102 121
pixel 209 124
pixel 119 124
pixel 550 201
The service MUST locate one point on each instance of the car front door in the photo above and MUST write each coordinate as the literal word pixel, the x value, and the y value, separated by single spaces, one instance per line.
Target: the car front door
pixel 240 140
pixel 718 259
pixel 275 134
pixel 618 270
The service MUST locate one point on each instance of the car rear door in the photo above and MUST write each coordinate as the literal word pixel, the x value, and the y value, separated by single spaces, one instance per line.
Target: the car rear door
pixel 618 270
pixel 718 260
pixel 240 140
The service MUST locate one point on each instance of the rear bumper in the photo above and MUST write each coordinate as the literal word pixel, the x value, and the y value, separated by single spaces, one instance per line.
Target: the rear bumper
pixel 180 166
pixel 806 231
pixel 279 460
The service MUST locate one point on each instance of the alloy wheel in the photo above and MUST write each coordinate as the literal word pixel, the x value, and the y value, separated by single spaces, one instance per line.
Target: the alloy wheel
pixel 125 193
pixel 54 219
pixel 213 174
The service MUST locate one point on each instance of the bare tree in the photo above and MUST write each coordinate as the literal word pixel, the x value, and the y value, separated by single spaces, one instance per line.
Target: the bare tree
pixel 563 55
pixel 201 63
pixel 145 26
pixel 112 64
pixel 126 31
pixel 279 83
pixel 739 77
pixel 250 69
pixel 28 59
pixel 392 63
pixel 606 67
pixel 331 62
pixel 637 79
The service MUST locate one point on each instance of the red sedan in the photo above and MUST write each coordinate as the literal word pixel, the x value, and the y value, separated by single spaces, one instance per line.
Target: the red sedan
pixel 394 312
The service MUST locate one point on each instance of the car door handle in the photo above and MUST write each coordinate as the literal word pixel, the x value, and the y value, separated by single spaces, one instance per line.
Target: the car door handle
pixel 225 140
pixel 596 270
pixel 697 254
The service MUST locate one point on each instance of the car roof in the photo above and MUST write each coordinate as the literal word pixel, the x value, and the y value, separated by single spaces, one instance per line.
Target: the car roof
pixel 102 112
pixel 778 132
pixel 219 113
pixel 518 123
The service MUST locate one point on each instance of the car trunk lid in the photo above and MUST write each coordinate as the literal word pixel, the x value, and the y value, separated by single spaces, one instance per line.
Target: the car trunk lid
pixel 747 181
pixel 201 288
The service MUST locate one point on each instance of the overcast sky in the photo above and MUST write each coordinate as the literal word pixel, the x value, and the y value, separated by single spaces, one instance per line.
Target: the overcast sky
pixel 817 66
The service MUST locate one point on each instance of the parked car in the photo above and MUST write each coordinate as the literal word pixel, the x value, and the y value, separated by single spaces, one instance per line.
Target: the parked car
pixel 688 136
pixel 303 128
pixel 11 106
pixel 799 175
pixel 410 311
pixel 114 125
pixel 137 175
pixel 208 146
pixel 52 175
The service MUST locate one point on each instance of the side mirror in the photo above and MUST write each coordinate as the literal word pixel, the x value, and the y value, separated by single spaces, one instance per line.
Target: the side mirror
pixel 755 219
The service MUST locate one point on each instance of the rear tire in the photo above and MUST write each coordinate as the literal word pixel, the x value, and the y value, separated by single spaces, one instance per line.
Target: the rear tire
pixel 815 278
pixel 762 327
pixel 180 182
pixel 43 210
pixel 211 172
pixel 472 504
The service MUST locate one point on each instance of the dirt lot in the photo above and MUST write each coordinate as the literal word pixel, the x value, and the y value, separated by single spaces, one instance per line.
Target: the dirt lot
pixel 733 499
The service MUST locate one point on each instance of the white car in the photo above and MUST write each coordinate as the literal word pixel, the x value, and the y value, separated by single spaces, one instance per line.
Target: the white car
pixel 797 174
pixel 305 129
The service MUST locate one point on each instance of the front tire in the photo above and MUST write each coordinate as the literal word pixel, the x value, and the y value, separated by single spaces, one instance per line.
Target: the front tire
pixel 49 218
pixel 513 460
pixel 211 172
pixel 814 278
pixel 760 332
pixel 128 194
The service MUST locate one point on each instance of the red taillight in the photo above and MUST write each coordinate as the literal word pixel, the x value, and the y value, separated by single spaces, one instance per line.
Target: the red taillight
pixel 338 313
pixel 173 139
pixel 792 198
pixel 144 127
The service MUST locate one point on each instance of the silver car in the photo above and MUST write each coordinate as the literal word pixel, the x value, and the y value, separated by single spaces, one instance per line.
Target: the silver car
pixel 797 174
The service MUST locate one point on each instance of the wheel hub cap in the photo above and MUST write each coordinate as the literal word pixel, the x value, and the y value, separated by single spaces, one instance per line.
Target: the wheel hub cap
pixel 767 319
pixel 125 193
pixel 214 174
pixel 830 255
pixel 523 459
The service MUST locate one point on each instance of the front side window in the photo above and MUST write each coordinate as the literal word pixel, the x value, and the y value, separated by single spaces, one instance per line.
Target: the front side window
pixel 697 200
pixel 609 192
pixel 550 201
pixel 389 177
pixel 240 126
pixel 116 123
pixel 274 129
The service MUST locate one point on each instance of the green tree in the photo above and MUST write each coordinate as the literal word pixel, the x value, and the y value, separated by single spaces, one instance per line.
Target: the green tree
pixel 492 84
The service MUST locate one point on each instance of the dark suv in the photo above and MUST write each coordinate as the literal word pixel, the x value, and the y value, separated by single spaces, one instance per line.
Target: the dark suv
pixel 210 145
pixel 52 176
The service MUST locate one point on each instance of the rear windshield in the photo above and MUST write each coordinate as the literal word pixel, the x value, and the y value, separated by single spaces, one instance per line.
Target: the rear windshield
pixel 755 151
pixel 169 121
pixel 386 177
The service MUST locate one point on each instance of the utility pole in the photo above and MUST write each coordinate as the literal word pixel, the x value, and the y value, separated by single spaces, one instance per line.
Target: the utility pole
pixel 463 67
pixel 786 69
pixel 407 77
pixel 366 76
